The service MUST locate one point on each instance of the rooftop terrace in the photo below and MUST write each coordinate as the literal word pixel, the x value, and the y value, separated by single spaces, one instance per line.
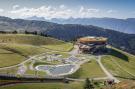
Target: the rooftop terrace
pixel 91 39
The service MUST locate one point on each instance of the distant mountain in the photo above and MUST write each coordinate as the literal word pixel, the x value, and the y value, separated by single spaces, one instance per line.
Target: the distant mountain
pixel 8 24
pixel 36 18
pixel 69 32
pixel 122 25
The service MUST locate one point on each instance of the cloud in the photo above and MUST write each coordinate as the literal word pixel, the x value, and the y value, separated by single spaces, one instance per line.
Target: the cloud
pixel 1 10
pixel 53 12
pixel 62 7
pixel 111 11
pixel 86 12
pixel 15 6
pixel 43 11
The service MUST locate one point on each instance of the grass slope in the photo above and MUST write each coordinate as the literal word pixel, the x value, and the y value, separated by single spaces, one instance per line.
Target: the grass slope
pixel 22 45
pixel 22 49
pixel 8 58
pixel 120 63
pixel 73 85
pixel 36 40
pixel 89 70
pixel 28 39
pixel 60 47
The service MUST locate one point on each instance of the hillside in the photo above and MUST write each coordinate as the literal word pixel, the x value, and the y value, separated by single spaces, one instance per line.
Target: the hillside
pixel 13 52
pixel 122 25
pixel 69 32
pixel 28 39
pixel 15 48
pixel 6 56
pixel 120 64
pixel 124 85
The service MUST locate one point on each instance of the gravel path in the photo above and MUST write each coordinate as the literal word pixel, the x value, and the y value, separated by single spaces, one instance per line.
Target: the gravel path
pixel 75 51
pixel 33 57
pixel 109 75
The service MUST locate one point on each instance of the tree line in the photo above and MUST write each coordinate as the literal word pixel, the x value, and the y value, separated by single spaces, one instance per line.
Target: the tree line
pixel 25 32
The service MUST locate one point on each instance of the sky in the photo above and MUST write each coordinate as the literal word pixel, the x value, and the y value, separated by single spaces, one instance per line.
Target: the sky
pixel 68 8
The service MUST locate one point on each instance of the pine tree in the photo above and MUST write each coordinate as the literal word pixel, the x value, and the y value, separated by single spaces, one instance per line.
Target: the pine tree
pixel 88 84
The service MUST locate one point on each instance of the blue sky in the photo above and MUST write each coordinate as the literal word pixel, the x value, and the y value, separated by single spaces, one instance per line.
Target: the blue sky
pixel 68 8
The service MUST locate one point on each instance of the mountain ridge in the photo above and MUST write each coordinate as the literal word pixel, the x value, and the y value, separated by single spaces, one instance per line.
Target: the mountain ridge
pixel 122 25
pixel 69 32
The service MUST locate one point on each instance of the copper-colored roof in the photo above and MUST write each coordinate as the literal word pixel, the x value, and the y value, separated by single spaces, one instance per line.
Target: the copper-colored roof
pixel 92 39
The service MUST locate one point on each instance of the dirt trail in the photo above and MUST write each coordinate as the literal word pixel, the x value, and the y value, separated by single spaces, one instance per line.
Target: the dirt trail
pixel 109 75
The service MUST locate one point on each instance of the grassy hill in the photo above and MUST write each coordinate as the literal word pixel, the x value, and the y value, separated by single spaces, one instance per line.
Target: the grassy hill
pixel 124 85
pixel 88 70
pixel 9 58
pixel 28 39
pixel 74 85
pixel 120 64
pixel 17 47
pixel 35 40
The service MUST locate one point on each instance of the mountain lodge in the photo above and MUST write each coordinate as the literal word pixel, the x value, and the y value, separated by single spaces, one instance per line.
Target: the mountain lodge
pixel 92 44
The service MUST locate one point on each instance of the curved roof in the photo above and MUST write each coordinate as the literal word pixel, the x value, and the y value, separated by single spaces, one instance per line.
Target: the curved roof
pixel 90 39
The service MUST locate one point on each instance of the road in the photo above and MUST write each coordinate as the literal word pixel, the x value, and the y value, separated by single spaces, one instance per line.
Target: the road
pixel 75 51
pixel 109 75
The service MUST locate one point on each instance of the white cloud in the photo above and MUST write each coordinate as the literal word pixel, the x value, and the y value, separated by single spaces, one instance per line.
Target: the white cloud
pixel 1 10
pixel 93 10
pixel 62 7
pixel 15 6
pixel 81 9
pixel 111 11
pixel 87 12
pixel 43 11
pixel 53 12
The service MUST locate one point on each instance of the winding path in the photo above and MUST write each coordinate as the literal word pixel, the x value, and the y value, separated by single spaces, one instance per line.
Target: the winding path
pixel 21 62
pixel 74 52
pixel 109 75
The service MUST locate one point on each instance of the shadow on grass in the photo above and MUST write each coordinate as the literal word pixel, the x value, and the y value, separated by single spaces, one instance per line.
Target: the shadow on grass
pixel 6 53
pixel 118 54
pixel 40 63
pixel 14 51
pixel 131 78
pixel 78 73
